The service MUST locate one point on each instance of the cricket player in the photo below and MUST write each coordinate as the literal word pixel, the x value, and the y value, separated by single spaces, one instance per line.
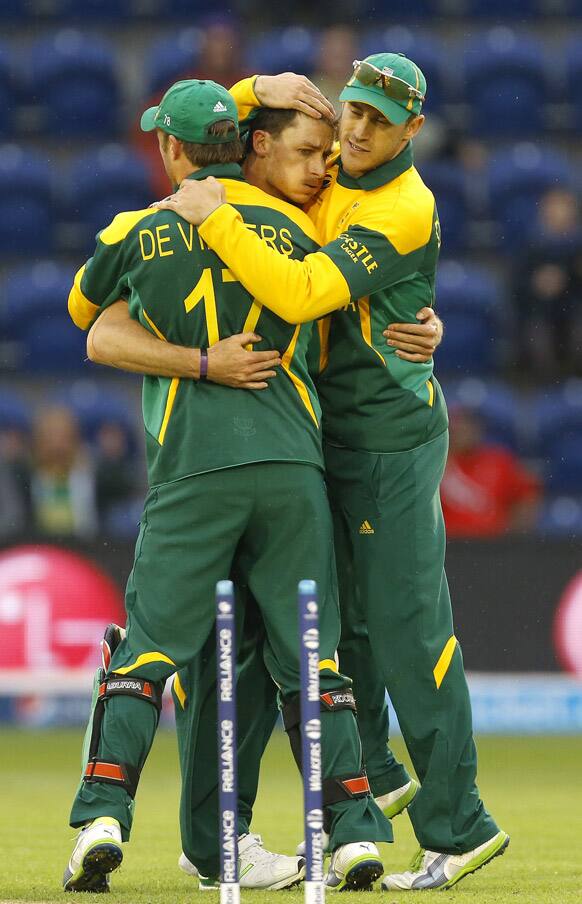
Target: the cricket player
pixel 284 157
pixel 386 439
pixel 236 483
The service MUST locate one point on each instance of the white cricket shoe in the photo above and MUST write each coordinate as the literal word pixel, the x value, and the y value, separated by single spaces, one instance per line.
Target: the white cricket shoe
pixel 258 867
pixel 354 866
pixel 430 869
pixel 300 850
pixel 96 854
pixel 393 803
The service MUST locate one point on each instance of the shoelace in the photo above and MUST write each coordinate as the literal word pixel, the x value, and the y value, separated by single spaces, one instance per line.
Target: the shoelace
pixel 416 862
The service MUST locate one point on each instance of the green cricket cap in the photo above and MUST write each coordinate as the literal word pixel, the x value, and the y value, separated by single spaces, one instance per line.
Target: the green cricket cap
pixel 189 109
pixel 390 96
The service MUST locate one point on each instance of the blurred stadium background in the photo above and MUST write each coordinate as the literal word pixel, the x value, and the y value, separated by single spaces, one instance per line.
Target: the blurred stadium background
pixel 501 152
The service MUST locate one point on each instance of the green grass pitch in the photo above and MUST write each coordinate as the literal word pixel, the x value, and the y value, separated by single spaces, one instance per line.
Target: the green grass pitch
pixel 532 785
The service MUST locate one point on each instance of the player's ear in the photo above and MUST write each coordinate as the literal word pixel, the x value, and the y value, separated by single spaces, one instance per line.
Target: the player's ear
pixel 414 126
pixel 261 142
pixel 175 146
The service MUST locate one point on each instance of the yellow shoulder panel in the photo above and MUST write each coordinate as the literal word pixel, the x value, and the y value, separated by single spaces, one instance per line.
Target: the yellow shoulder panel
pixel 122 224
pixel 81 310
pixel 244 193
pixel 402 210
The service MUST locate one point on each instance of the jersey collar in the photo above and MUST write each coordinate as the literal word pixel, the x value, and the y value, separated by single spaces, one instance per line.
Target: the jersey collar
pixel 381 175
pixel 220 170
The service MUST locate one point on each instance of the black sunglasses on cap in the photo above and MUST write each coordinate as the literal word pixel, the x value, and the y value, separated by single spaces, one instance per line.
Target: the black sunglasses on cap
pixel 392 86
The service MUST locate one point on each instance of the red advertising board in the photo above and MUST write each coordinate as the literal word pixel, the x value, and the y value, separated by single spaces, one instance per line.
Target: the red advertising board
pixel 54 607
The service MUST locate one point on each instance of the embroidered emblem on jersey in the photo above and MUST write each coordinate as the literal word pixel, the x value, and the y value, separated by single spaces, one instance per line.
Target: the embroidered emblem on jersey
pixel 219 107
pixel 344 216
pixel 366 528
pixel 244 426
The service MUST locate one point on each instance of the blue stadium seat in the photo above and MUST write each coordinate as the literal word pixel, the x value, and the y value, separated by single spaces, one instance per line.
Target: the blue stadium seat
pixel 560 516
pixel 108 11
pixel 558 418
pixel 15 9
pixel 7 91
pixel 74 80
pixel 35 292
pixel 192 10
pixel 95 403
pixel 35 309
pixel 447 182
pixel 517 179
pixel 14 412
pixel 573 72
pixel 102 184
pixel 394 10
pixel 421 48
pixel 26 202
pixel 506 83
pixel 171 57
pixel 501 9
pixel 502 412
pixel 290 49
pixel 467 299
pixel 52 344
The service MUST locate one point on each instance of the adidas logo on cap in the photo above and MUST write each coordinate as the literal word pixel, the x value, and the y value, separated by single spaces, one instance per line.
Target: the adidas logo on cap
pixel 219 107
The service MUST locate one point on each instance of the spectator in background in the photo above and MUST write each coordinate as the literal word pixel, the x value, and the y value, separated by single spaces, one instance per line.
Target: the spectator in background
pixel 14 444
pixel 57 482
pixel 338 47
pixel 12 513
pixel 486 491
pixel 548 289
pixel 117 479
pixel 219 58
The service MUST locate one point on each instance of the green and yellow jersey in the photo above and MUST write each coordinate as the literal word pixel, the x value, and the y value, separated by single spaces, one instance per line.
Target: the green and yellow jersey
pixel 381 240
pixel 180 290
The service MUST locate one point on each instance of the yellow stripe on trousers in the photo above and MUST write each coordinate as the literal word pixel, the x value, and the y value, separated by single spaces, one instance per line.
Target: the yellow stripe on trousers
pixel 145 659
pixel 179 690
pixel 442 666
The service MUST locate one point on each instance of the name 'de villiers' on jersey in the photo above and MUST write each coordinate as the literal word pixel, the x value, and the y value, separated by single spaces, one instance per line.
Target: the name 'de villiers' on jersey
pixel 183 293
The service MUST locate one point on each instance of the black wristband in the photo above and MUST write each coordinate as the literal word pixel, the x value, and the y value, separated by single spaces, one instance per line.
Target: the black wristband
pixel 203 364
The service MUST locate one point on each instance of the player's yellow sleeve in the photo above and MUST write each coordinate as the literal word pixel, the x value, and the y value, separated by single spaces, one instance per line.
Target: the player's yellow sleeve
pixel 297 291
pixel 81 310
pixel 245 98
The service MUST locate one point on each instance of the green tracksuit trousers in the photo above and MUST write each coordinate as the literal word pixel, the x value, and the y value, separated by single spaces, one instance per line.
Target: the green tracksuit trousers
pixel 396 616
pixel 273 521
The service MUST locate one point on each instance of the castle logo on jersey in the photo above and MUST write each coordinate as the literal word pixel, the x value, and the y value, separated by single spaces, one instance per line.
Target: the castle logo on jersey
pixel 358 252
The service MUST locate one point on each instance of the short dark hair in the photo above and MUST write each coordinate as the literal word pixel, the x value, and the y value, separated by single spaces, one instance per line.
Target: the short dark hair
pixel 210 154
pixel 274 122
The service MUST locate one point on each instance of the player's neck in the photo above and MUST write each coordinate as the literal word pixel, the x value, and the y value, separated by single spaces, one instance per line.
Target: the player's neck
pixel 181 169
pixel 255 171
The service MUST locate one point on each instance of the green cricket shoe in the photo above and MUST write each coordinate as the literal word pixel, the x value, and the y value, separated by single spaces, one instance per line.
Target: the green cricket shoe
pixel 96 854
pixel 354 867
pixel 430 869
pixel 395 802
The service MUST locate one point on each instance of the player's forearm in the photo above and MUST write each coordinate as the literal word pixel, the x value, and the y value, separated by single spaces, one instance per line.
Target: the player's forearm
pixel 118 341
pixel 297 291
